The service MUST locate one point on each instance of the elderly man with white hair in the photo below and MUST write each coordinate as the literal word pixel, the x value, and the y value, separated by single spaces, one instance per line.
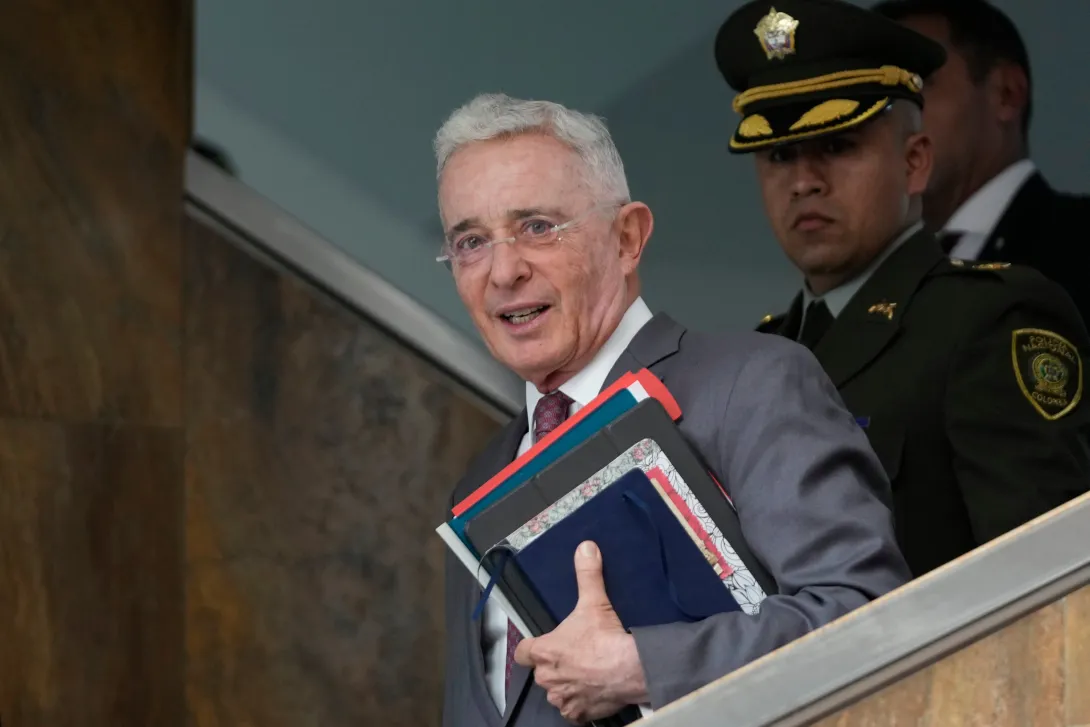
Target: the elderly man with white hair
pixel 544 243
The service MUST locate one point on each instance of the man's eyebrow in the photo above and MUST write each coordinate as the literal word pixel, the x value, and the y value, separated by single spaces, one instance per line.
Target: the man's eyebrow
pixel 462 226
pixel 535 212
pixel 512 215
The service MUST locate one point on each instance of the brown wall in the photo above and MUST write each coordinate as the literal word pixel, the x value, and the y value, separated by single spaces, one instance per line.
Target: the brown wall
pixel 218 488
pixel 320 455
pixel 1033 673
pixel 94 120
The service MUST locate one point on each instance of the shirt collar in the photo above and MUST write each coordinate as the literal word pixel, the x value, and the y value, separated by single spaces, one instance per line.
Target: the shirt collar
pixel 837 298
pixel 982 211
pixel 588 383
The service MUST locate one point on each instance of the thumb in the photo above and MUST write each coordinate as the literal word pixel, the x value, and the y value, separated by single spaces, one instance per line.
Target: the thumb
pixel 588 576
pixel 523 652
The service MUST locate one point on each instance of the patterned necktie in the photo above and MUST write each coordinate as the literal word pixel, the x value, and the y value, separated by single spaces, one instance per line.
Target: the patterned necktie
pixel 550 412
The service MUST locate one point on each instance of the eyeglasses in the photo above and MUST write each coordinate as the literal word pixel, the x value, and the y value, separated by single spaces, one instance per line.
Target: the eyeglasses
pixel 534 233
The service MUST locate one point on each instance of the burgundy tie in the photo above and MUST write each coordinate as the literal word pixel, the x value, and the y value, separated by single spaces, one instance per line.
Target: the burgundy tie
pixel 550 412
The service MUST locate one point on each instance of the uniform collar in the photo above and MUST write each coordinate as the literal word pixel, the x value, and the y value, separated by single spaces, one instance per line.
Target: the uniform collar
pixel 588 383
pixel 873 317
pixel 837 298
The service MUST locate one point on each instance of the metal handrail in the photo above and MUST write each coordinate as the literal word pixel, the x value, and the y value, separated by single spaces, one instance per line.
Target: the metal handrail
pixel 902 632
pixel 275 232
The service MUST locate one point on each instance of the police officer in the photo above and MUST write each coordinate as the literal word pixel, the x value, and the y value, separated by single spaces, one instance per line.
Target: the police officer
pixel 967 377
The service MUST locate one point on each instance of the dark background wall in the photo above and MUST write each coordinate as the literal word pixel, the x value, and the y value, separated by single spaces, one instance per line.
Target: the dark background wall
pixel 93 126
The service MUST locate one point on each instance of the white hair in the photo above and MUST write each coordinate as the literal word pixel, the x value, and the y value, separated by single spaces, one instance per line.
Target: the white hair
pixel 496 116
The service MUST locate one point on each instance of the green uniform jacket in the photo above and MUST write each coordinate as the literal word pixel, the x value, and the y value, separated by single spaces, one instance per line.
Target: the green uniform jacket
pixel 968 381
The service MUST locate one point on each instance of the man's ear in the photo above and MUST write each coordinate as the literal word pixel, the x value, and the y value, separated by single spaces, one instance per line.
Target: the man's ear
pixel 633 224
pixel 919 159
pixel 1008 92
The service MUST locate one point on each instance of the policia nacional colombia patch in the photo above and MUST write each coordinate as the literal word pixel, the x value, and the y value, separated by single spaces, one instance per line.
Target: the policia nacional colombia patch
pixel 1048 370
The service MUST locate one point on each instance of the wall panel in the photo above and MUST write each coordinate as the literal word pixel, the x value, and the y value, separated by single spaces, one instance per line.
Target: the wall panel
pixel 320 454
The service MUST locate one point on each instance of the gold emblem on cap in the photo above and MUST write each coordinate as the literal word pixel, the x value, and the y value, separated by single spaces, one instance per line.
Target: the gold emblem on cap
pixel 755 125
pixel 826 112
pixel 776 31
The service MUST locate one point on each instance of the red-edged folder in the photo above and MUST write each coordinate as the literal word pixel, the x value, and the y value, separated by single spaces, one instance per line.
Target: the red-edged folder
pixel 650 383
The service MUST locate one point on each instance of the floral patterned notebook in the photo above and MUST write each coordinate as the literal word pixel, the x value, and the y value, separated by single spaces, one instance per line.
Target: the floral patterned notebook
pixel 646 455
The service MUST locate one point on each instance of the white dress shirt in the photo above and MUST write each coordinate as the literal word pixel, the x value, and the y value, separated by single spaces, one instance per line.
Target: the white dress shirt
pixel 581 388
pixel 977 217
pixel 837 298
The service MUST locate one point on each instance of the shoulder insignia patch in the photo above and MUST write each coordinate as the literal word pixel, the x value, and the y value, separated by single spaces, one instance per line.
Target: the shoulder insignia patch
pixel 1048 370
pixel 991 266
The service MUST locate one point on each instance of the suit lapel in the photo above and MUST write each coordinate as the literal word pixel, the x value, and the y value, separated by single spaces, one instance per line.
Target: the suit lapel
pixel 792 323
pixel 872 318
pixel 516 691
pixel 1019 222
pixel 659 339
pixel 492 461
pixel 520 675
pixel 500 454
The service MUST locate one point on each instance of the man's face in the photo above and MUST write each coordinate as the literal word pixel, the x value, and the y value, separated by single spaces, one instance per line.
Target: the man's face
pixel 539 309
pixel 955 116
pixel 835 202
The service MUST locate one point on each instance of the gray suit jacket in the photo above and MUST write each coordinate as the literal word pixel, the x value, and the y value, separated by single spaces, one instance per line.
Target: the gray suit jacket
pixel 813 501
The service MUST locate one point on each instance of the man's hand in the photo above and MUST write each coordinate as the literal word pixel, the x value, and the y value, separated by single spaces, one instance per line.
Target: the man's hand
pixel 588 664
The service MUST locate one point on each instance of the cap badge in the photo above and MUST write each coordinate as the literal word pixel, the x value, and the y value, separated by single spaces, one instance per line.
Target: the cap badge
pixel 776 31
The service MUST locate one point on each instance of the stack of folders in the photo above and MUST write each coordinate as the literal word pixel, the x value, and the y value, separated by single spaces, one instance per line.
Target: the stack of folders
pixel 619 472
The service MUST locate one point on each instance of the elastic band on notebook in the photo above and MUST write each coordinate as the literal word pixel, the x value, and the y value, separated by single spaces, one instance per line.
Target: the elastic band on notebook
pixel 495 576
pixel 636 501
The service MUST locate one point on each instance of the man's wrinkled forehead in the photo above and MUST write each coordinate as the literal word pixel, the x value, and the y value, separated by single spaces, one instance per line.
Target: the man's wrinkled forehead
pixel 489 181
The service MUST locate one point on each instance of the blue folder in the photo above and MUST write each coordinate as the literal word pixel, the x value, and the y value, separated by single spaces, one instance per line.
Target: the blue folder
pixel 654 573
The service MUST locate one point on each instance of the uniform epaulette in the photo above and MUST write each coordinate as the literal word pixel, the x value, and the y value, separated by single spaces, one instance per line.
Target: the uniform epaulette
pixel 770 322
pixel 969 265
pixel 1016 277
pixel 957 266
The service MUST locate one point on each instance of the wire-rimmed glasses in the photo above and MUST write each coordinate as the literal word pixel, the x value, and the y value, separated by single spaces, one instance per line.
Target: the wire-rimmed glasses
pixel 535 232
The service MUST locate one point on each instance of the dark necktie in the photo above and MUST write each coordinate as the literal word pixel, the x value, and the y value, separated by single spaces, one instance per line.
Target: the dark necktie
pixel 815 324
pixel 948 239
pixel 550 412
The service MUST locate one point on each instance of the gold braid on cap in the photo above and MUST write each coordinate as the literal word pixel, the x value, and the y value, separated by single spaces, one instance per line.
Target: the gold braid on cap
pixel 886 75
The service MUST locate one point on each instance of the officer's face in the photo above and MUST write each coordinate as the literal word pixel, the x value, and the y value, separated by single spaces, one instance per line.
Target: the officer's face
pixel 836 202
pixel 542 309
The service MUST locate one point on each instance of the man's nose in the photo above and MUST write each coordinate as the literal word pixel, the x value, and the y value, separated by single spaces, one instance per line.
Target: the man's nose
pixel 808 178
pixel 508 265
